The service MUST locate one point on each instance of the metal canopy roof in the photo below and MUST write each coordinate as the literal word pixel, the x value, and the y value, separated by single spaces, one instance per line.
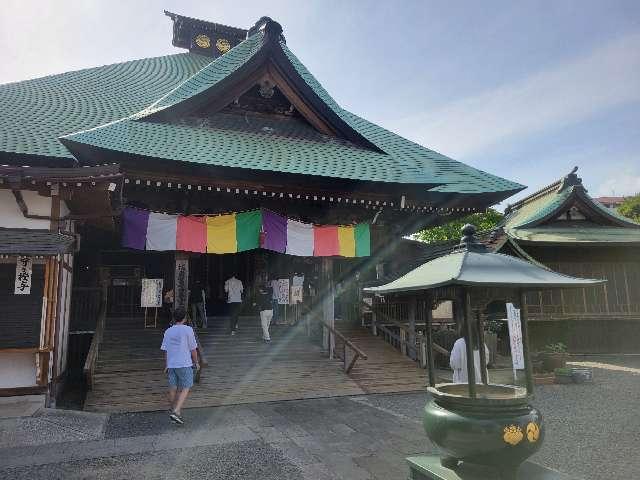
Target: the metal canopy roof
pixel 473 265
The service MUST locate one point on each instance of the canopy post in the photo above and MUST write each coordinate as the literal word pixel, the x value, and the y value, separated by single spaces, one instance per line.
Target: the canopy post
pixel 471 368
pixel 429 334
pixel 525 342
pixel 483 354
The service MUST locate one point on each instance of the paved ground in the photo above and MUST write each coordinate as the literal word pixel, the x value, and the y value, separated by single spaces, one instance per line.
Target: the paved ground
pixel 591 430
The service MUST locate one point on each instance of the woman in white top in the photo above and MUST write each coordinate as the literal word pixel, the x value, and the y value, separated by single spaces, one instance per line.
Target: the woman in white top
pixel 458 362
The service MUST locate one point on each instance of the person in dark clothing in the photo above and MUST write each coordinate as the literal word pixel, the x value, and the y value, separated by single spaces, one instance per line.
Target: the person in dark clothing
pixel 263 302
pixel 196 299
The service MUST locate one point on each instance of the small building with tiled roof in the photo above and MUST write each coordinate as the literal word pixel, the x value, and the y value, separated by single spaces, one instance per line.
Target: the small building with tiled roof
pixel 562 227
pixel 610 202
pixel 235 124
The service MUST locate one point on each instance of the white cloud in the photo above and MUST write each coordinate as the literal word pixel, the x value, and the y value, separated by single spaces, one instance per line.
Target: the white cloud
pixel 606 77
pixel 620 184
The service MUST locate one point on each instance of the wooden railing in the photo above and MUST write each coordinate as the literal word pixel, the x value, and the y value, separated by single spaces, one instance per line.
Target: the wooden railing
pixel 92 355
pixel 411 344
pixel 350 356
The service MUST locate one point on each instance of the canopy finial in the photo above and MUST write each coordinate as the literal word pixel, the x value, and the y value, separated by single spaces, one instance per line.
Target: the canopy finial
pixel 469 240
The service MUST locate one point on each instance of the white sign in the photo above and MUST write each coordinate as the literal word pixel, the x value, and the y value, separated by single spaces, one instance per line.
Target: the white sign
pixel 281 291
pixel 151 293
pixel 515 336
pixel 23 276
pixel 296 294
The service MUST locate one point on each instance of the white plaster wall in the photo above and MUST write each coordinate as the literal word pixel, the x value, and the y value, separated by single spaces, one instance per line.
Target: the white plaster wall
pixel 11 216
pixel 17 369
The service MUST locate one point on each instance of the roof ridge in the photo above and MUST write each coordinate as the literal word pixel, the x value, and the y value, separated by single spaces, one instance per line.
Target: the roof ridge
pixel 534 196
pixel 217 61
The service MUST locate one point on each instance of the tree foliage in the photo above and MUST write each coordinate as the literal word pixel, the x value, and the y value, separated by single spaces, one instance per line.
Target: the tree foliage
pixel 630 207
pixel 451 231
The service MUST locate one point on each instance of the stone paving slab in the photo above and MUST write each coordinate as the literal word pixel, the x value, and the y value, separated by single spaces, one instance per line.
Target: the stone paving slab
pixel 22 406
pixel 51 426
pixel 111 447
pixel 249 460
pixel 364 437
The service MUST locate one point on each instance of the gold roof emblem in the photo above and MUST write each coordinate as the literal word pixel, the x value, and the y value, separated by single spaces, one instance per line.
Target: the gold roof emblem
pixel 203 41
pixel 223 45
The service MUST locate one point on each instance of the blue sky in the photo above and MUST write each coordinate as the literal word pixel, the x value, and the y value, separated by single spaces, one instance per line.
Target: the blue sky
pixel 525 90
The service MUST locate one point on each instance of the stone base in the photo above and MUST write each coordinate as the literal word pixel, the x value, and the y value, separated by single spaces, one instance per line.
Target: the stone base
pixel 427 467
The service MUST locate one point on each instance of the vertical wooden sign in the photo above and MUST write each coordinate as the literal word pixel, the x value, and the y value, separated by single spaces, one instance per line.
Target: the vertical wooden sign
pixel 181 283
pixel 23 276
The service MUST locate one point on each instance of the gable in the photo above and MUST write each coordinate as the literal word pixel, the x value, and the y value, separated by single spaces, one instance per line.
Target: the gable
pixel 265 94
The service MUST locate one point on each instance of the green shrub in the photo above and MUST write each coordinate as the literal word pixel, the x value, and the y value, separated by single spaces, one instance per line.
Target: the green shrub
pixel 555 348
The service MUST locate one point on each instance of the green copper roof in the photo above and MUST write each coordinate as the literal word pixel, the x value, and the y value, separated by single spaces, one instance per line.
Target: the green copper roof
pixel 480 269
pixel 535 218
pixel 398 161
pixel 591 235
pixel 537 208
pixel 34 113
pixel 124 107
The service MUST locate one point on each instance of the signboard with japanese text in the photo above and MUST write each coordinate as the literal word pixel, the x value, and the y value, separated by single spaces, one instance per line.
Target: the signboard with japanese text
pixel 151 293
pixel 296 294
pixel 24 267
pixel 515 336
pixel 281 291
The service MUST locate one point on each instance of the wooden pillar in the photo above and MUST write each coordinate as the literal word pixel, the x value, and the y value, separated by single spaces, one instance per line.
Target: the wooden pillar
pixel 471 368
pixel 525 343
pixel 328 303
pixel 429 334
pixel 411 314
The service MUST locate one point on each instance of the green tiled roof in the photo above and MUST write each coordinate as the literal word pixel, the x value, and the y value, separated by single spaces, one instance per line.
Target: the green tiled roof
pixel 454 176
pixel 537 208
pixel 34 113
pixel 115 107
pixel 592 235
pixel 402 161
pixel 533 219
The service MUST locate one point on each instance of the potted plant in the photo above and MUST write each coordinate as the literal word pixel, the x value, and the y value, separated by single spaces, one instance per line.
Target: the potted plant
pixel 554 356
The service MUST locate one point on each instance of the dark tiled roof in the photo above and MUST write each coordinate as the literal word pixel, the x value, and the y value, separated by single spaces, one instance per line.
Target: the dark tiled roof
pixel 21 241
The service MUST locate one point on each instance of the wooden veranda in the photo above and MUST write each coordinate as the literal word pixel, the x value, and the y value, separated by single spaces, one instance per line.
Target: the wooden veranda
pixel 127 374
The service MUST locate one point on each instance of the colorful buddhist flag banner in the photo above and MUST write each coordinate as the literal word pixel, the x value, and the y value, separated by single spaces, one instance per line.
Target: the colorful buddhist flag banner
pixel 299 238
pixel 192 234
pixel 362 236
pixel 274 232
pixel 239 232
pixel 248 227
pixel 221 234
pixel 325 241
pixel 162 231
pixel 346 241
pixel 134 228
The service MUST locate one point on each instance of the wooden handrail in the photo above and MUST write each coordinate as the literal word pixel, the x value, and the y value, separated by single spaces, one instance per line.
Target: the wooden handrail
pixel 344 339
pixel 346 343
pixel 92 355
